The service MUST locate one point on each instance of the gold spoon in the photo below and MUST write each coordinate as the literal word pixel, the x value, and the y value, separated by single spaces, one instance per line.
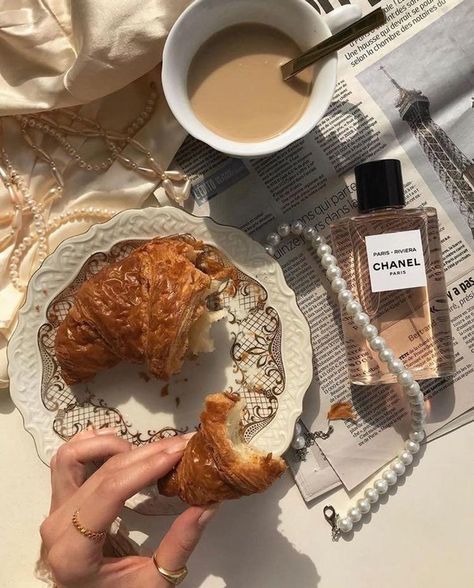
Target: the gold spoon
pixel 361 27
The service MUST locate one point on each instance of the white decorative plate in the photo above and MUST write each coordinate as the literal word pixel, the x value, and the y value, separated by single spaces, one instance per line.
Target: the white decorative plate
pixel 263 348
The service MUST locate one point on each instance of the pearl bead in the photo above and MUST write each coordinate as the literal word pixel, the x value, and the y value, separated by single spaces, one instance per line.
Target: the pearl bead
pixel 386 355
pixel 298 442
pixel 269 249
pixel 377 343
pixel 338 284
pixel 298 429
pixel 283 230
pixel 363 505
pixel 323 249
pixel 361 319
pixel 353 307
pixel 418 426
pixel 416 401
pixel 417 436
pixel 418 420
pixel 418 409
pixel 333 272
pixel 370 332
pixel 418 416
pixel 390 477
pixel 354 514
pixel 413 389
pixel 419 423
pixel 372 495
pixel 297 227
pixel 309 233
pixel 344 296
pixel 406 458
pixel 317 241
pixel 398 467
pixel 405 378
pixel 412 446
pixel 345 524
pixel 395 366
pixel 381 486
pixel 327 259
pixel 273 239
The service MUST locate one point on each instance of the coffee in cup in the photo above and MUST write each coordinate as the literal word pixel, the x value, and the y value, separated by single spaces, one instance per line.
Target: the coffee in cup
pixel 235 84
pixel 297 21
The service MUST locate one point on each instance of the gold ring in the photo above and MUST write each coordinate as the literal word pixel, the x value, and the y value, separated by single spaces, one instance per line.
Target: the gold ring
pixel 96 536
pixel 174 577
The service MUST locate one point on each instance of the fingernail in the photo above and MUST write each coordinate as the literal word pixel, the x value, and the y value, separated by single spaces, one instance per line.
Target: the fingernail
pixel 107 431
pixel 178 445
pixel 207 515
pixel 188 435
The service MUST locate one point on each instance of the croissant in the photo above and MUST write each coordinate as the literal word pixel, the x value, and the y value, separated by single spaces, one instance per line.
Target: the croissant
pixel 150 307
pixel 217 464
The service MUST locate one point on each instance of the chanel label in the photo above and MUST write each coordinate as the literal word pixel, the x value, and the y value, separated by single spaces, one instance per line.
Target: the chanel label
pixel 396 261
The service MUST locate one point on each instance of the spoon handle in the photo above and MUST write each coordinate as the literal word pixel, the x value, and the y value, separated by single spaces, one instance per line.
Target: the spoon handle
pixel 366 24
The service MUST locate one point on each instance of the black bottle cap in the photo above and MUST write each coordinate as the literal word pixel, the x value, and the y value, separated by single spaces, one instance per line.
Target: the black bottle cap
pixel 379 185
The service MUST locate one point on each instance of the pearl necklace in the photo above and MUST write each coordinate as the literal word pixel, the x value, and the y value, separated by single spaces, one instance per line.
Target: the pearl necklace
pixel 344 523
pixel 68 122
pixel 23 200
pixel 115 140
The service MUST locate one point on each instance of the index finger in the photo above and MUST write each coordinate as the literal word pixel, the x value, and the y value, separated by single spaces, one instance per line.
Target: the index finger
pixel 101 506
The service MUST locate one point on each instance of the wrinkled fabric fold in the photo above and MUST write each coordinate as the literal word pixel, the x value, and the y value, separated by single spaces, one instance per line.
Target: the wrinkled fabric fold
pixel 56 53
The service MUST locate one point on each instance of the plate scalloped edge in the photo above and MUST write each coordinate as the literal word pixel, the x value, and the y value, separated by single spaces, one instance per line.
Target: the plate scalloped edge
pixel 64 264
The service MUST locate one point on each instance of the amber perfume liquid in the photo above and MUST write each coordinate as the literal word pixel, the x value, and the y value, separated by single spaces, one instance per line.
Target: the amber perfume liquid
pixel 392 261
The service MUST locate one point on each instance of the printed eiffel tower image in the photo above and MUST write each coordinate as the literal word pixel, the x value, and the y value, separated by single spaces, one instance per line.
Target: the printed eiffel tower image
pixel 454 169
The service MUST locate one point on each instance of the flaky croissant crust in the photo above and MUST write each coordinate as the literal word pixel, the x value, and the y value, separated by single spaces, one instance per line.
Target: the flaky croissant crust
pixel 139 309
pixel 214 467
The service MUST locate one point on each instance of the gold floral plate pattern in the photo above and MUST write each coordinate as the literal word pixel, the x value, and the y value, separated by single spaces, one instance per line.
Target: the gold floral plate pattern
pixel 263 348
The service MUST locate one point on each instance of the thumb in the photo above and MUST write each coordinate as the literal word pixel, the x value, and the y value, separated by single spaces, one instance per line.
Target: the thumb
pixel 183 536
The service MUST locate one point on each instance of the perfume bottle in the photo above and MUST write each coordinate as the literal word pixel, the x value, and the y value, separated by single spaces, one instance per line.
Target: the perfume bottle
pixel 391 259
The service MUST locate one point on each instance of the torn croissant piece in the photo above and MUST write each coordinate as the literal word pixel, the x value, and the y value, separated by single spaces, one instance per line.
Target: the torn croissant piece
pixel 150 307
pixel 217 464
pixel 341 411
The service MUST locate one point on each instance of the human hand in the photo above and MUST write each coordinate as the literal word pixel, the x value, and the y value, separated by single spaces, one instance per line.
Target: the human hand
pixel 77 560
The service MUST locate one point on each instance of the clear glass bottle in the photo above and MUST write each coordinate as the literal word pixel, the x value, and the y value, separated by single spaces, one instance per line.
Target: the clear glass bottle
pixel 391 259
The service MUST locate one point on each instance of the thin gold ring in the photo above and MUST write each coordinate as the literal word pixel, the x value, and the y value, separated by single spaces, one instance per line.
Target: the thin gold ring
pixel 96 536
pixel 174 577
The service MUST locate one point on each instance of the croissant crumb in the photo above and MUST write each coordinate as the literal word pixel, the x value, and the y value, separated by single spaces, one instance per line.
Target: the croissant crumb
pixel 341 411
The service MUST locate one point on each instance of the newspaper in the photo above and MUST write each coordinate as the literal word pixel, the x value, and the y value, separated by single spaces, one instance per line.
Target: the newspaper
pixel 404 91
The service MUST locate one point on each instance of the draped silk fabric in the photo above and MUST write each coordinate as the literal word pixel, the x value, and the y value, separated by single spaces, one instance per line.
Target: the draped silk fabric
pixel 56 53
pixel 101 54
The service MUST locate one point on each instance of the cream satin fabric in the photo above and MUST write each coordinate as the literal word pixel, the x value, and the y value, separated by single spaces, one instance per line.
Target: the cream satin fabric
pixel 100 53
pixel 56 53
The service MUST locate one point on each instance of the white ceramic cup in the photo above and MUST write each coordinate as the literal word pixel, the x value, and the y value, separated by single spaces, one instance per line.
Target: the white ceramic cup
pixel 297 18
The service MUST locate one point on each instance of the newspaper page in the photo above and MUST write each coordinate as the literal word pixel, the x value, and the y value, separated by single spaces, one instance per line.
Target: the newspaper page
pixel 405 91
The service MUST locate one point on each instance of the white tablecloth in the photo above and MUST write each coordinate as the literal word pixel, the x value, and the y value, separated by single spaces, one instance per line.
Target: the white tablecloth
pixel 421 537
